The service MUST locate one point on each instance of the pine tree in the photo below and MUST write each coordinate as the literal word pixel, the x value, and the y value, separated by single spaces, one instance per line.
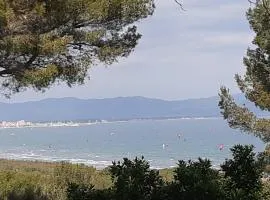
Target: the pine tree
pixel 46 41
pixel 255 84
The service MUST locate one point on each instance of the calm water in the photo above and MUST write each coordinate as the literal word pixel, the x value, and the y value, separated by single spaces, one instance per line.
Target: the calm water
pixel 99 144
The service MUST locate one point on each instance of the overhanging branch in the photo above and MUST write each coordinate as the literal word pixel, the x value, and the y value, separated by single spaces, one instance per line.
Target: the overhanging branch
pixel 180 4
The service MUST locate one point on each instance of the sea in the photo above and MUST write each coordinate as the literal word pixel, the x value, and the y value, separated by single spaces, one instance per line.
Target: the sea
pixel 162 142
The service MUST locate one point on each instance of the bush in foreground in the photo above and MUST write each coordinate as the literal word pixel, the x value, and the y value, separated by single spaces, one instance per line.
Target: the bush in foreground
pixel 240 179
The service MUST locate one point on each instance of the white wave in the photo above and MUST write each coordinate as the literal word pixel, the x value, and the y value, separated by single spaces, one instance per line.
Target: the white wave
pixel 37 157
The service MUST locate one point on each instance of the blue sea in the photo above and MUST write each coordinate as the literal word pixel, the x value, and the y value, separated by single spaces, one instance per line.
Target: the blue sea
pixel 161 142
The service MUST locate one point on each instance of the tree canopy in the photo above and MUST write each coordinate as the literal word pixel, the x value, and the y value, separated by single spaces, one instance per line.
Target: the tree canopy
pixel 255 84
pixel 238 178
pixel 46 41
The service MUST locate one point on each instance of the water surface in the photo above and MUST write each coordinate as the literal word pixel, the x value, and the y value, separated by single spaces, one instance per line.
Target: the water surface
pixel 161 142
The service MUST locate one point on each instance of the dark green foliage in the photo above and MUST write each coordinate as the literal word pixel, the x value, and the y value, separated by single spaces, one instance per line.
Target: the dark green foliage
pixel 265 157
pixel 266 190
pixel 243 174
pixel 27 193
pixel 83 192
pixel 79 192
pixel 255 84
pixel 45 41
pixel 195 181
pixel 240 179
pixel 134 180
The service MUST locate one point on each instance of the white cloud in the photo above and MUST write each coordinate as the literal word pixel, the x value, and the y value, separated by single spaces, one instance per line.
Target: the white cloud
pixel 229 39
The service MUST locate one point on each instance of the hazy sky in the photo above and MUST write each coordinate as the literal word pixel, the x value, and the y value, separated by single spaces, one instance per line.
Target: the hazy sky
pixel 181 55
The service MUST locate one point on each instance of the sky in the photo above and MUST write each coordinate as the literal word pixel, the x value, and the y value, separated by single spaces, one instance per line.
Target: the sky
pixel 182 55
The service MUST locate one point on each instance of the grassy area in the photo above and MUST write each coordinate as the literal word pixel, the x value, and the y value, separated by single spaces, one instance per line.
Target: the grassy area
pixel 24 180
pixel 51 179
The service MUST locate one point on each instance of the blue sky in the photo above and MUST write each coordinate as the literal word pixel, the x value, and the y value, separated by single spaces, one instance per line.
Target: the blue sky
pixel 181 55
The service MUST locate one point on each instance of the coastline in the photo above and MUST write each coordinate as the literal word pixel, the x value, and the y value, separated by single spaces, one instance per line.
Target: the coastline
pixel 36 165
pixel 78 124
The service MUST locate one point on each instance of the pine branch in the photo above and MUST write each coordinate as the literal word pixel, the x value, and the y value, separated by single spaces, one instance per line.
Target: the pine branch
pixel 180 4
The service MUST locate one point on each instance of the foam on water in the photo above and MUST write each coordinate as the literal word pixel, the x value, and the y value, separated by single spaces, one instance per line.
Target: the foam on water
pixel 94 145
pixel 37 157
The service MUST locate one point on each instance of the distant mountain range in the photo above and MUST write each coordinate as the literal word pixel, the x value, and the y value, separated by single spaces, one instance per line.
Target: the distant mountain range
pixel 120 108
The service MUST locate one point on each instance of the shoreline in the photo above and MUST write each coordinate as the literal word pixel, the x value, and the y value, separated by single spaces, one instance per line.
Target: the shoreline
pixel 98 167
pixel 79 124
pixel 10 164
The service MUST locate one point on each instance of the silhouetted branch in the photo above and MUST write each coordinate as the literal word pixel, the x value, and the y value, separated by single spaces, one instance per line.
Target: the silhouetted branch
pixel 180 4
pixel 252 2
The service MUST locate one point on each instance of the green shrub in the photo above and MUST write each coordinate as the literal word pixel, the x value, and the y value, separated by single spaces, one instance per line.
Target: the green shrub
pixel 134 180
pixel 195 181
pixel 243 174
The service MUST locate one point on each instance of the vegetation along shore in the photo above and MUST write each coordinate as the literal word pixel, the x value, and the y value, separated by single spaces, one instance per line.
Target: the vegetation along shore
pixel 238 178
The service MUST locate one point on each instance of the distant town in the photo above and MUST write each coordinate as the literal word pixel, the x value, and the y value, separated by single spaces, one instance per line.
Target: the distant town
pixel 21 123
pixel 24 124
